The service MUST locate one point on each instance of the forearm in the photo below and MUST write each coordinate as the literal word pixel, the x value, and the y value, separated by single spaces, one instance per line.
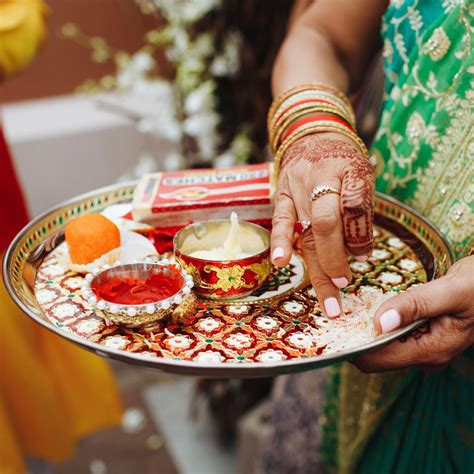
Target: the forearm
pixel 331 42
pixel 306 56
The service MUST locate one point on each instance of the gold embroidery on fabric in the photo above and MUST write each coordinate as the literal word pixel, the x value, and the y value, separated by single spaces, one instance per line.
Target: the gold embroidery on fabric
pixel 445 187
pixel 426 138
pixel 437 46
pixel 416 127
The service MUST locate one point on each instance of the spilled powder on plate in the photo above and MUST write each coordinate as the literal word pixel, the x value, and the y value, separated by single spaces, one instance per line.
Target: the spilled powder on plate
pixel 356 320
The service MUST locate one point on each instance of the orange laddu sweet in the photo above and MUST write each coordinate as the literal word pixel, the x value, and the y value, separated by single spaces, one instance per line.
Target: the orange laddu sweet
pixel 90 236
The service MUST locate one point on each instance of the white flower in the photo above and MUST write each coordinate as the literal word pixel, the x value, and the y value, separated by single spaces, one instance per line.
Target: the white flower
pixel 189 65
pixel 65 310
pixel 201 124
pixel 360 267
pixel 142 62
pixel 179 342
pixel 134 70
pixel 237 309
pixel 200 99
pixel 239 340
pixel 126 79
pixel 74 283
pixel 219 66
pixel 209 357
pixel 88 326
pixel 116 342
pixel 301 340
pixel 228 63
pixel 203 45
pixel 293 307
pixel 165 128
pixel 271 355
pixel 185 11
pixel 207 145
pixel 156 90
pixel 54 270
pixel 407 264
pixel 321 321
pixel 232 46
pixel 180 43
pixel 395 242
pixel 208 324
pixel 45 296
pixel 225 159
pixel 381 254
pixel 173 161
pixel 266 322
pixel 390 278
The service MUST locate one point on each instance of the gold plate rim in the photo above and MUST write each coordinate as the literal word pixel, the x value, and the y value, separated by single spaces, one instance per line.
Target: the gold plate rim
pixel 255 369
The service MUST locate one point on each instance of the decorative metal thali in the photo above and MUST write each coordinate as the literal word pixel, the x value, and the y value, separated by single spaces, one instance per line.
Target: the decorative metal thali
pixel 279 329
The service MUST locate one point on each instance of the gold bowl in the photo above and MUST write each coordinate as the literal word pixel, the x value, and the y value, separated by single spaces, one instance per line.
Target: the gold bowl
pixel 224 279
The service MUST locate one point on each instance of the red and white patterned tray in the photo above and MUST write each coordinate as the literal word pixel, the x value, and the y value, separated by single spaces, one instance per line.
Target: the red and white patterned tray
pixel 279 329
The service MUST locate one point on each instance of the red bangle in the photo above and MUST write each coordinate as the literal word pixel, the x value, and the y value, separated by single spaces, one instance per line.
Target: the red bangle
pixel 319 118
pixel 301 102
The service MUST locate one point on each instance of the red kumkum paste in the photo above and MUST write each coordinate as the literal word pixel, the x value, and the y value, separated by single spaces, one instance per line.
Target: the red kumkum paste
pixel 123 290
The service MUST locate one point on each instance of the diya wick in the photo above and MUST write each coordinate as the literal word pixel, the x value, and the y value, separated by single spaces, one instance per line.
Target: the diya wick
pixel 227 259
pixel 141 292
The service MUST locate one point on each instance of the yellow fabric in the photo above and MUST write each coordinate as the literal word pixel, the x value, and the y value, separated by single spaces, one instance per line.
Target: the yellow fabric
pixel 21 31
pixel 51 392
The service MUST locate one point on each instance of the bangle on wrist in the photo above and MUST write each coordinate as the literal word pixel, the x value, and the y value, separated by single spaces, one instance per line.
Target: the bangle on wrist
pixel 288 119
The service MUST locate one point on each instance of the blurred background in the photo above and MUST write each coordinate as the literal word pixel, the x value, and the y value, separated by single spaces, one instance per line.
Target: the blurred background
pixel 129 86
pixel 112 89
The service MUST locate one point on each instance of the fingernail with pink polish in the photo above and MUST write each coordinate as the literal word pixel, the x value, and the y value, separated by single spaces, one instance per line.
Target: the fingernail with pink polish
pixel 340 282
pixel 278 252
pixel 331 305
pixel 390 320
pixel 361 258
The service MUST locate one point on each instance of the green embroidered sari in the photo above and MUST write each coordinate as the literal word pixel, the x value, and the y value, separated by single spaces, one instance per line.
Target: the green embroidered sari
pixel 409 421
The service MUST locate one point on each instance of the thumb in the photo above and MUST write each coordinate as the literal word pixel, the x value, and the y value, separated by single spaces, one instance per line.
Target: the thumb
pixel 436 298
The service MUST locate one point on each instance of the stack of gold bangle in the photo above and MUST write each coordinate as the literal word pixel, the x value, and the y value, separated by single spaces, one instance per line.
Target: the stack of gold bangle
pixel 298 111
pixel 299 101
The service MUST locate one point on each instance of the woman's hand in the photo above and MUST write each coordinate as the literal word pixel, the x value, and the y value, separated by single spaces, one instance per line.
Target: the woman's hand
pixel 340 224
pixel 448 303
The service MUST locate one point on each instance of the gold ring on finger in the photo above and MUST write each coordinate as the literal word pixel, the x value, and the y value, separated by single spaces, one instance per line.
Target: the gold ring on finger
pixel 321 190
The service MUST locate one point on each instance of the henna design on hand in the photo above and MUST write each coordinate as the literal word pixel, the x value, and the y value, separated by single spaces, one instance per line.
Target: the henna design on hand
pixel 357 186
pixel 417 333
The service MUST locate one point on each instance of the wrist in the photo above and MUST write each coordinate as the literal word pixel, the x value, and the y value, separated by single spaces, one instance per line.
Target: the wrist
pixel 308 109
pixel 321 137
